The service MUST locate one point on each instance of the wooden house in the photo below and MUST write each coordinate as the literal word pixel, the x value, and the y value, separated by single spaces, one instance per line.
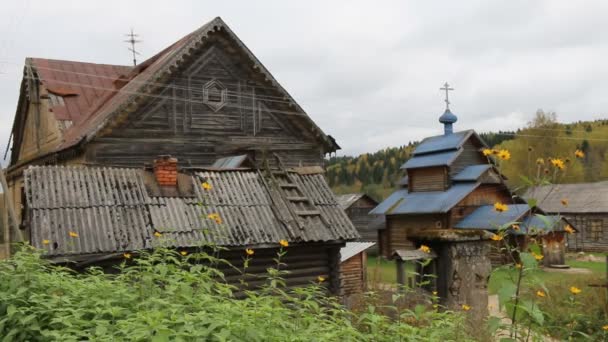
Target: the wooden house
pixel 108 159
pixel 584 205
pixel 357 207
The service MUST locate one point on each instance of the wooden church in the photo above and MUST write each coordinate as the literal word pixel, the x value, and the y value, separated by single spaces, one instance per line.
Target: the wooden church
pixel 451 187
pixel 110 159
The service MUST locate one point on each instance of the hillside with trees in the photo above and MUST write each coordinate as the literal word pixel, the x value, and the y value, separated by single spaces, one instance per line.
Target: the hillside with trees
pixel 378 173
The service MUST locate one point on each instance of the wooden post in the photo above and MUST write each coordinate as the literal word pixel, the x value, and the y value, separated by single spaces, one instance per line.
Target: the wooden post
pixel 12 217
pixel 400 273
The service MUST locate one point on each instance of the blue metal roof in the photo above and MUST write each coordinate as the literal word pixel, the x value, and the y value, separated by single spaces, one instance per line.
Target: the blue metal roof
pixel 485 217
pixel 434 159
pixel 430 202
pixel 441 143
pixel 448 117
pixel 471 173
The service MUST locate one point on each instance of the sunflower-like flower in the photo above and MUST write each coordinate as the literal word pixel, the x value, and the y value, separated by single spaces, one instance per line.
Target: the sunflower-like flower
pixel 127 255
pixel 504 154
pixel 320 279
pixel 496 237
pixel 466 307
pixel 516 227
pixel 541 294
pixel 569 229
pixel 425 249
pixel 579 154
pixel 540 161
pixel 73 234
pixel 206 186
pixel 558 163
pixel 538 257
pixel 575 290
pixel 249 252
pixel 500 207
pixel 487 151
pixel 284 243
pixel 46 242
pixel 564 202
pixel 158 234
pixel 183 253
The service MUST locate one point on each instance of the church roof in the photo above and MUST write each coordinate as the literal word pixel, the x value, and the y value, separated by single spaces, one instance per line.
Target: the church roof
pixel 434 159
pixel 442 143
pixel 471 173
pixel 428 202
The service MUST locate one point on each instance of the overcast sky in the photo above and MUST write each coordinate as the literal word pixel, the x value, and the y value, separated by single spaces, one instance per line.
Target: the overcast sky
pixel 367 72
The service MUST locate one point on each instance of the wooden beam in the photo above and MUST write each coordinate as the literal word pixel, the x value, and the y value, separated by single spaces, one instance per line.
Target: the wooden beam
pixel 12 217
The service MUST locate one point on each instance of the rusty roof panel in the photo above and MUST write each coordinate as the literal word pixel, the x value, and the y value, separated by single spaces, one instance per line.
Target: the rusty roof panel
pixel 110 211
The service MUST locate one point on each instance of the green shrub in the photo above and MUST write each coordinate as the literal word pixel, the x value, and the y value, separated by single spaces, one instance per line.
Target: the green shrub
pixel 164 296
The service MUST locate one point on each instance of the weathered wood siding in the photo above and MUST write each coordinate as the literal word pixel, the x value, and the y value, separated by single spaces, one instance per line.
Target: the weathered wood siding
pixel 483 195
pixel 428 179
pixel 554 249
pixel 367 225
pixel 353 274
pixel 398 227
pixel 470 156
pixel 592 235
pixel 181 120
pixel 41 132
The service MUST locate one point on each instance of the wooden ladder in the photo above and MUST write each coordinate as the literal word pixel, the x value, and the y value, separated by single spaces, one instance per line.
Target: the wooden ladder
pixel 299 205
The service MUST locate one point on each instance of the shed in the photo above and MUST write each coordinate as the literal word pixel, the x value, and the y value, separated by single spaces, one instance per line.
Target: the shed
pixel 353 267
pixel 584 205
pixel 358 207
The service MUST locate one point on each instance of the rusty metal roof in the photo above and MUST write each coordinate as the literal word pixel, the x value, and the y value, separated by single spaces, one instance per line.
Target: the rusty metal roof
pixel 111 210
pixel 80 91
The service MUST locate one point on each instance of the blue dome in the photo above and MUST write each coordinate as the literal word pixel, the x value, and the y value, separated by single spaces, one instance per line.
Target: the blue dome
pixel 447 117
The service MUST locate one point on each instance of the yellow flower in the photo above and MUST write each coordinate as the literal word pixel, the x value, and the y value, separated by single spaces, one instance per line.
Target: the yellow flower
pixel 500 207
pixel 45 242
pixel 558 163
pixel 184 253
pixel 569 229
pixel 540 161
pixel 564 202
pixel 516 227
pixel 284 243
pixel 504 154
pixel 540 294
pixel 73 234
pixel 434 293
pixel 249 251
pixel 206 186
pixel 518 265
pixel 575 290
pixel 320 279
pixel 579 154
pixel 127 255
pixel 425 248
pixel 486 152
pixel 215 217
pixel 538 257
pixel 466 307
pixel 157 234
pixel 605 327
pixel 496 237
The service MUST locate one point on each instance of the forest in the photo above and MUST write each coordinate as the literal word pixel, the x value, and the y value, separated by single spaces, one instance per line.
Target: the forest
pixel 378 173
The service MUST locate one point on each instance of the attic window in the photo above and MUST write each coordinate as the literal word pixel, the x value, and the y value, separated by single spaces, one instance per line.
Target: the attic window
pixel 56 100
pixel 214 94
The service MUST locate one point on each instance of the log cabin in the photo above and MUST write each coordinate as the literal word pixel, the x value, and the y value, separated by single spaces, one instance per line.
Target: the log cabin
pixel 585 205
pixel 357 207
pixel 110 159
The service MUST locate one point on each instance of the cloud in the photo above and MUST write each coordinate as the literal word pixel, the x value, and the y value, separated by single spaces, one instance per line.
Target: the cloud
pixel 369 74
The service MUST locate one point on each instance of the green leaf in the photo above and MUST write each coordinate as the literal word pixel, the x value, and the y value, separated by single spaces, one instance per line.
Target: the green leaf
pixel 493 324
pixel 506 293
pixel 528 260
pixel 532 202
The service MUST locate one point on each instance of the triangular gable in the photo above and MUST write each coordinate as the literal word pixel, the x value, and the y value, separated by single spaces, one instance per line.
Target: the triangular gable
pixel 149 75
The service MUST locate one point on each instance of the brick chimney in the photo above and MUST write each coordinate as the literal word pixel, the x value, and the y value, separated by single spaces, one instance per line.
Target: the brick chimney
pixel 165 170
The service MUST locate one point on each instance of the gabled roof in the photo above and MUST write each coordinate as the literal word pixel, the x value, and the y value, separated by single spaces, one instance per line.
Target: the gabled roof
pixel 432 159
pixel 471 173
pixel 346 200
pixel 125 87
pixel 428 202
pixel 442 143
pixel 486 218
pixel 581 197
pixel 112 211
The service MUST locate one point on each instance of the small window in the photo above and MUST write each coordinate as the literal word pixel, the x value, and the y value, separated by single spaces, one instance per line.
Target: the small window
pixel 215 94
pixel 595 230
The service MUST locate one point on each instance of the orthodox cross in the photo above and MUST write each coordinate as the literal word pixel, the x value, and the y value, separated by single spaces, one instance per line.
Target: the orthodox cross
pixel 447 88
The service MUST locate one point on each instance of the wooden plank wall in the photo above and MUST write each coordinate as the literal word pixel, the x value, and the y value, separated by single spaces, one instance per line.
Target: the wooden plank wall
pixel 486 194
pixel 179 123
pixel 398 226
pixel 584 239
pixel 367 225
pixel 353 274
pixel 470 156
pixel 428 179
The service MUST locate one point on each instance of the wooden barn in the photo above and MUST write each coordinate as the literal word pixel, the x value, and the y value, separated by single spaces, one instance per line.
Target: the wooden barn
pixel 584 205
pixel 111 159
pixel 357 207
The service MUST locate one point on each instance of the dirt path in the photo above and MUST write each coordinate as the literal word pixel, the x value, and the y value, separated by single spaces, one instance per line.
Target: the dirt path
pixel 493 309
